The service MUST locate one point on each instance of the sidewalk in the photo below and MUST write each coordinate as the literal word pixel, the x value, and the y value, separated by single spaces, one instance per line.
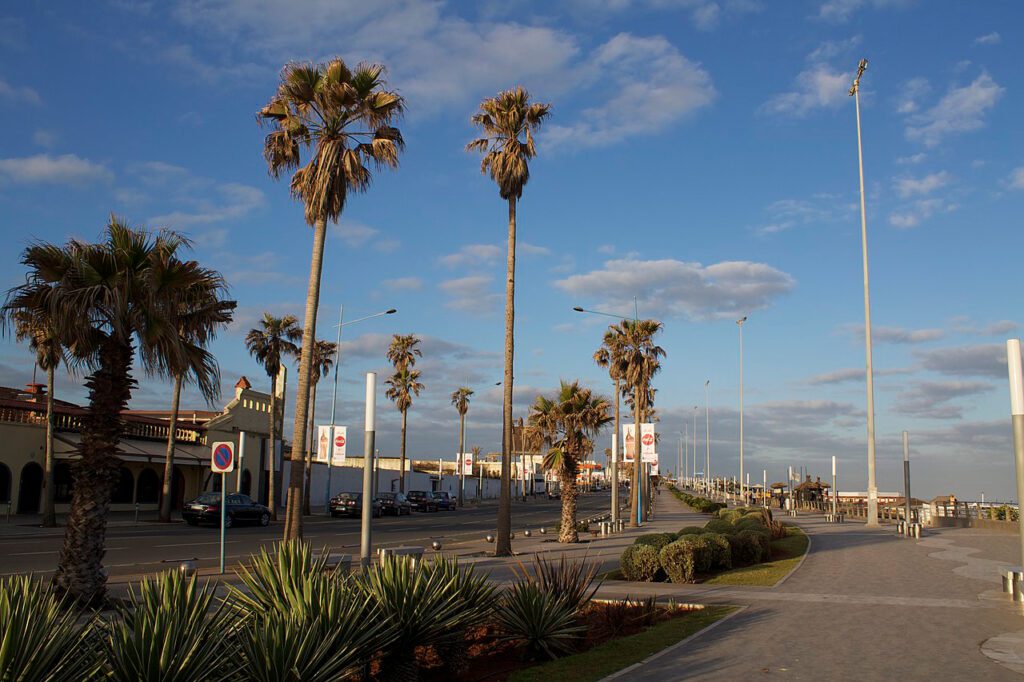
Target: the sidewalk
pixel 865 604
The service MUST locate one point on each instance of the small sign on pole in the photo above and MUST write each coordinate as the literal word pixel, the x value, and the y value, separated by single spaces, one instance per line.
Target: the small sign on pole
pixel 222 457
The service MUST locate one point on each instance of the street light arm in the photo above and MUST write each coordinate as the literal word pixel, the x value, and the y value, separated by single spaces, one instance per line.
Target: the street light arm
pixel 578 309
pixel 369 317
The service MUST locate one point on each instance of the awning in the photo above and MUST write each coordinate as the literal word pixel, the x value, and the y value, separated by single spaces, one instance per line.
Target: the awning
pixel 66 445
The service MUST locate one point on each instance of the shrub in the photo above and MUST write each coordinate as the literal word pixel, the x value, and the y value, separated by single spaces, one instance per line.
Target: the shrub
pixel 683 559
pixel 542 621
pixel 690 530
pixel 745 550
pixel 655 540
pixel 749 524
pixel 729 515
pixel 762 539
pixel 40 635
pixel 719 526
pixel 571 580
pixel 721 550
pixel 639 563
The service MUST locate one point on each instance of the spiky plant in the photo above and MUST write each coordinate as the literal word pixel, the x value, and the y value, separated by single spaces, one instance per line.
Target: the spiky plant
pixel 571 580
pixel 542 621
pixel 40 637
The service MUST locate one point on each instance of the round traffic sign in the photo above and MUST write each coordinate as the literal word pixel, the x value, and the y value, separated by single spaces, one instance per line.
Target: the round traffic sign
pixel 339 441
pixel 222 456
pixel 648 439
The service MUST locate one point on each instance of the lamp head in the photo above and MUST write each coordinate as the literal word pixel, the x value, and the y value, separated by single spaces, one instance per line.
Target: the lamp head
pixel 577 309
pixel 391 311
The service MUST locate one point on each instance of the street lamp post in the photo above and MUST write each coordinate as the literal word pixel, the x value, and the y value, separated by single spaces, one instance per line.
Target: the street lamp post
pixel 334 397
pixel 872 520
pixel 695 447
pixel 739 324
pixel 707 431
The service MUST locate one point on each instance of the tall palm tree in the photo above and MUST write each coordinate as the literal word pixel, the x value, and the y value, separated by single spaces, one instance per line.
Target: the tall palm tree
pixel 270 344
pixel 402 351
pixel 343 119
pixel 402 386
pixel 111 303
pixel 37 329
pixel 638 361
pixel 202 314
pixel 460 400
pixel 609 356
pixel 323 360
pixel 508 121
pixel 568 424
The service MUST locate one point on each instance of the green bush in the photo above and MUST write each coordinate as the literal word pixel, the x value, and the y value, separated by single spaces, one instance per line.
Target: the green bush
pixel 640 563
pixel 721 550
pixel 747 523
pixel 763 540
pixel 745 550
pixel 690 530
pixel 729 515
pixel 683 559
pixel 655 540
pixel 719 526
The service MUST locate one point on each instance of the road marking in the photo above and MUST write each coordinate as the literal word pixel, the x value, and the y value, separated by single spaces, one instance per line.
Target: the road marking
pixel 193 544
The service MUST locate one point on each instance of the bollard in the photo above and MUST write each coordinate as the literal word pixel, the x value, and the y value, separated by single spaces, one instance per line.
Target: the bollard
pixel 136 513
pixel 436 545
pixel 1009 575
pixel 489 538
pixel 527 532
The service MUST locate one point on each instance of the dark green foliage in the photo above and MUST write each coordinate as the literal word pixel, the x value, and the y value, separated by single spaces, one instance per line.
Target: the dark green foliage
pixel 640 563
pixel 543 621
pixel 749 524
pixel 701 504
pixel 719 526
pixel 655 540
pixel 745 550
pixel 721 550
pixel 761 538
pixel 730 515
pixel 691 530
pixel 685 558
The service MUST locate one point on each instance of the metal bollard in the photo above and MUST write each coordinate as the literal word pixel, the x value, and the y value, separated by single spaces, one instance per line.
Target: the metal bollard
pixel 136 513
pixel 1009 575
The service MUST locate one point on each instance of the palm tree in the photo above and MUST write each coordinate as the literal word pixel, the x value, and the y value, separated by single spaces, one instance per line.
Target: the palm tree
pixel 508 121
pixel 270 344
pixel 609 356
pixel 460 400
pixel 403 351
pixel 202 314
pixel 111 303
pixel 568 424
pixel 638 360
pixel 402 386
pixel 323 360
pixel 342 118
pixel 38 330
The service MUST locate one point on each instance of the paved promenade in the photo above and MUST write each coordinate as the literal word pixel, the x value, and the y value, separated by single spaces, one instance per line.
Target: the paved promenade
pixel 865 604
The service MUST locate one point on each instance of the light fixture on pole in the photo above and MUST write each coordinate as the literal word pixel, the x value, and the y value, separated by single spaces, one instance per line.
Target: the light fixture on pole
pixel 334 398
pixel 707 431
pixel 872 519
pixel 695 408
pixel 739 324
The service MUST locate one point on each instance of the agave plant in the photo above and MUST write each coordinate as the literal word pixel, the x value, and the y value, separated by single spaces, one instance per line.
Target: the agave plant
pixel 570 581
pixel 427 603
pixel 171 630
pixel 41 638
pixel 543 621
pixel 278 579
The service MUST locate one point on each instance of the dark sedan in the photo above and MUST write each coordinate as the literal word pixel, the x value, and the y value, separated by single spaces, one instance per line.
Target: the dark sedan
pixel 240 509
pixel 422 501
pixel 351 504
pixel 395 503
pixel 445 500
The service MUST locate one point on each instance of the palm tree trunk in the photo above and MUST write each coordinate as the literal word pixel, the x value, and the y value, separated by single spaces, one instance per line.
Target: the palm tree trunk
pixel 504 541
pixel 80 570
pixel 293 521
pixel 615 464
pixel 462 467
pixel 567 532
pixel 165 498
pixel 309 452
pixel 634 476
pixel 49 515
pixel 401 472
pixel 271 479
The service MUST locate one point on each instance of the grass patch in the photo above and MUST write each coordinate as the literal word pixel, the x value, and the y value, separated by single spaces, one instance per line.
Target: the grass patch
pixel 616 654
pixel 787 552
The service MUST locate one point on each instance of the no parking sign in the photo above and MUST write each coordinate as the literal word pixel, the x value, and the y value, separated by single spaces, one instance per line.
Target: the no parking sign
pixel 222 457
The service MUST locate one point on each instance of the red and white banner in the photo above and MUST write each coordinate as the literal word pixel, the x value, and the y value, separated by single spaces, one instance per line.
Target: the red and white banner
pixel 648 443
pixel 628 443
pixel 467 464
pixel 323 443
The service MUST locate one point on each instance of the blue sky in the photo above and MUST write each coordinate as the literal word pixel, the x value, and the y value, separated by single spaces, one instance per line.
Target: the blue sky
pixel 701 155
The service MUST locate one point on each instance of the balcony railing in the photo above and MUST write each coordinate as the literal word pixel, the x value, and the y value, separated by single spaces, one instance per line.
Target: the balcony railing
pixel 64 421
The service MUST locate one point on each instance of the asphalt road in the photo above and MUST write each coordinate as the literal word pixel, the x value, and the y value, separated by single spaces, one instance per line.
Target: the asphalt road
pixel 149 547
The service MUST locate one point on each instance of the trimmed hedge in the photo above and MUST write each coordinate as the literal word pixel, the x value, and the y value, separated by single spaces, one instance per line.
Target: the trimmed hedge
pixel 691 530
pixel 730 515
pixel 655 540
pixel 683 559
pixel 721 550
pixel 763 539
pixel 747 523
pixel 719 526
pixel 745 550
pixel 640 563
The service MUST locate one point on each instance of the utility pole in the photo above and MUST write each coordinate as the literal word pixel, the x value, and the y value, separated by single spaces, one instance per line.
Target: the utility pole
pixel 707 431
pixel 739 324
pixel 872 520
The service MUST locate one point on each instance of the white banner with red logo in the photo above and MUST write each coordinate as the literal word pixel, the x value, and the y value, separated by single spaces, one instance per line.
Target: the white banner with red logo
pixel 323 444
pixel 648 444
pixel 467 464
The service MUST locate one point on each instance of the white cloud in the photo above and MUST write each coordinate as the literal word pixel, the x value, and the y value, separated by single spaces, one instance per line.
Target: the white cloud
pixel 965 325
pixel 19 95
pixel 623 72
pixel 840 11
pixel 911 160
pixel 1017 178
pixel 226 201
pixel 961 109
pixel 471 294
pixel 675 288
pixel 403 284
pixel 912 92
pixel 356 235
pixel 908 187
pixel 979 360
pixel 706 15
pixel 913 214
pixel 818 87
pixel 896 334
pixel 67 169
pixel 830 49
pixel 786 214
pixel 532 249
pixel 852 374
pixel 992 38
pixel 472 255
pixel 932 399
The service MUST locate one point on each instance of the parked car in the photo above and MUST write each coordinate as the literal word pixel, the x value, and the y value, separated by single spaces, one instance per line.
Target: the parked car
pixel 554 493
pixel 240 509
pixel 445 500
pixel 351 504
pixel 394 503
pixel 422 501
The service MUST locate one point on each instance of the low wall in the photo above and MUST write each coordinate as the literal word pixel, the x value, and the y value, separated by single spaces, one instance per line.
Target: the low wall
pixel 961 522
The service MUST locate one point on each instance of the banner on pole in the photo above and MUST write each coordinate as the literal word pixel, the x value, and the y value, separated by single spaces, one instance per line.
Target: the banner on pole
pixel 467 463
pixel 323 443
pixel 340 446
pixel 629 443
pixel 325 448
pixel 648 443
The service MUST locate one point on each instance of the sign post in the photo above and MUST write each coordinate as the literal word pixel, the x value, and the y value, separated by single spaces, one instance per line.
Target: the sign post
pixel 222 461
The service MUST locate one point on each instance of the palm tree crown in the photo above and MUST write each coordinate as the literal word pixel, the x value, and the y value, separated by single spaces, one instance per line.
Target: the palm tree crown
pixel 508 122
pixel 324 354
pixel 403 351
pixel 460 399
pixel 402 386
pixel 275 338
